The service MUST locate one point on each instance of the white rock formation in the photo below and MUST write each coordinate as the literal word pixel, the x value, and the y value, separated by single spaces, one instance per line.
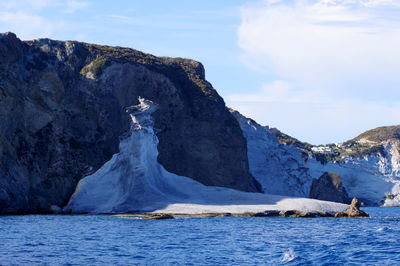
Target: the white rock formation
pixel 278 168
pixel 133 181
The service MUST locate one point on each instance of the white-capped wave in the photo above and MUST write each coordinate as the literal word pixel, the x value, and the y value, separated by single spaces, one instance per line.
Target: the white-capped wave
pixel 288 255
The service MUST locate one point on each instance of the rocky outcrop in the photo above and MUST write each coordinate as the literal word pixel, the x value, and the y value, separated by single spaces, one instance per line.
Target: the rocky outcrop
pixel 62 109
pixel 62 114
pixel 277 167
pixel 132 181
pixel 368 165
pixel 329 187
pixel 353 211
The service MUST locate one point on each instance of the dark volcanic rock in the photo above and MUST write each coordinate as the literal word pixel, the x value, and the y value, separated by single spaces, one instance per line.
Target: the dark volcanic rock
pixel 158 216
pixel 303 214
pixel 329 187
pixel 260 214
pixel 62 113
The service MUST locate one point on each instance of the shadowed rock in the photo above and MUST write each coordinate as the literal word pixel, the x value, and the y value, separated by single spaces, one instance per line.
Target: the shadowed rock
pixel 329 187
pixel 157 216
pixel 302 214
pixel 286 213
pixel 260 214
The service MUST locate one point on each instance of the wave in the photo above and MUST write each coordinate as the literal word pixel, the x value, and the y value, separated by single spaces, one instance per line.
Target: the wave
pixel 288 255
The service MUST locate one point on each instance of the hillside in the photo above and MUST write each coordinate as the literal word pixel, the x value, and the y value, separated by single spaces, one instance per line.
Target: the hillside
pixel 283 165
pixel 379 134
pixel 62 108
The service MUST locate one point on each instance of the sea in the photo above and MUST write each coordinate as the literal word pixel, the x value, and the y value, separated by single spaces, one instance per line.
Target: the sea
pixel 111 240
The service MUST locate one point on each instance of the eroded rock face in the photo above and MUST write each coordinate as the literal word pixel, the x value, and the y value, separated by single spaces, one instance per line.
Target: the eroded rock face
pixel 369 165
pixel 280 169
pixel 62 113
pixel 329 187
pixel 353 210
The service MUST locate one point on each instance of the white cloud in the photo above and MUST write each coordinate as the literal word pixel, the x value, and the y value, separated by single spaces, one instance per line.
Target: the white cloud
pixel 125 18
pixel 30 20
pixel 68 6
pixel 340 46
pixel 18 4
pixel 336 62
pixel 313 117
pixel 278 91
pixel 72 6
pixel 28 26
pixel 374 3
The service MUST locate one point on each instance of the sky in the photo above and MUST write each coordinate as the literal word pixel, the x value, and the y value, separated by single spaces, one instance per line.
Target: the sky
pixel 322 71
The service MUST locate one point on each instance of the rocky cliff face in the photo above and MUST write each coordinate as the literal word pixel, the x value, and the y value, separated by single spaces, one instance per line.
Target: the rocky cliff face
pixel 62 113
pixel 279 168
pixel 369 165
pixel 133 181
pixel 62 109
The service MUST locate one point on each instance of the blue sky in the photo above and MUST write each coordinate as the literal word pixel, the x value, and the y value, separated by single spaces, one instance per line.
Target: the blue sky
pixel 320 70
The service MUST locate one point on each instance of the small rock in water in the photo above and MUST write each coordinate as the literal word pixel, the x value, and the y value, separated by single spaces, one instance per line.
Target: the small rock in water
pixel 353 211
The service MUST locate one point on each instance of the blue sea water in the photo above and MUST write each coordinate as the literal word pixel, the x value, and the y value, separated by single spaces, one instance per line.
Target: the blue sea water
pixel 109 240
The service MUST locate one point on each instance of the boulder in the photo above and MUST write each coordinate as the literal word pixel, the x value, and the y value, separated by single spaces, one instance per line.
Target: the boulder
pixel 353 210
pixel 329 187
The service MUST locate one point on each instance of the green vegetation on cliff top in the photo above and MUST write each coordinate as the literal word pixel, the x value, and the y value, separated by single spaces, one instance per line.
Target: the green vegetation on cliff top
pixel 352 148
pixel 107 54
pixel 380 134
pixel 96 66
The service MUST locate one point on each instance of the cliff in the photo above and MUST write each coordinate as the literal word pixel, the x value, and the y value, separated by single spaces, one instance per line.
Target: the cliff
pixel 63 118
pixel 62 108
pixel 132 181
pixel 369 165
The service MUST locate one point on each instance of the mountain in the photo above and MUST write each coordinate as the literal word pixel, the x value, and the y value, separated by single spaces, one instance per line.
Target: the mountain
pixel 379 134
pixel 95 128
pixel 62 108
pixel 368 165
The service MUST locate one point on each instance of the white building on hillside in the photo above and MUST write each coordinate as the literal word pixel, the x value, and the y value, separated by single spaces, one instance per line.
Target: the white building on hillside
pixel 321 149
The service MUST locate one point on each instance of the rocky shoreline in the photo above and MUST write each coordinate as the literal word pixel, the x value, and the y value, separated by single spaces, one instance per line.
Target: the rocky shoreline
pixel 352 212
